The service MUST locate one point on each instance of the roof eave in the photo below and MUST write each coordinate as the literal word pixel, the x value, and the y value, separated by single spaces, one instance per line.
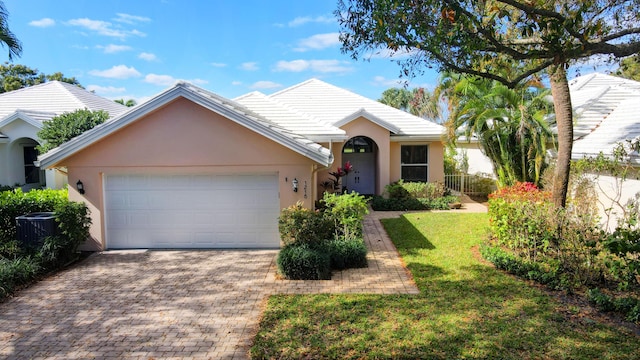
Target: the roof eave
pixel 422 137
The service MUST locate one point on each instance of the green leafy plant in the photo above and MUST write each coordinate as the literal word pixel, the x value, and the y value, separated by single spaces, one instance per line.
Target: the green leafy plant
pixel 346 253
pixel 66 126
pixel 304 262
pixel 299 225
pixel 15 203
pixel 347 212
pixel 335 231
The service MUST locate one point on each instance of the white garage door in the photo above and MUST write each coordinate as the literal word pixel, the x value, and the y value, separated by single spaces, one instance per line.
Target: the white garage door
pixel 191 211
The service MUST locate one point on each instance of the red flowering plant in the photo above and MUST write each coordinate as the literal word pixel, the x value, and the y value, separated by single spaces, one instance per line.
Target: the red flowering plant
pixel 337 175
pixel 521 217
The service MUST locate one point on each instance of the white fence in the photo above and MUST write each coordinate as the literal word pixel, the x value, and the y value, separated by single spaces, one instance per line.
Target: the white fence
pixel 469 184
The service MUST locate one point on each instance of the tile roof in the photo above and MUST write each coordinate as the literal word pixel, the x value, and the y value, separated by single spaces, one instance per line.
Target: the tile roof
pixel 606 109
pixel 331 105
pixel 288 117
pixel 54 98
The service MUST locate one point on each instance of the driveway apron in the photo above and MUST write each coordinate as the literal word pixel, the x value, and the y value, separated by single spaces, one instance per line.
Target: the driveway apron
pixel 171 304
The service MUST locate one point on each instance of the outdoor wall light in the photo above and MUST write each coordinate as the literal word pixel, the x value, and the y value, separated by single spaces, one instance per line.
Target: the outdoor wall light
pixel 80 187
pixel 295 184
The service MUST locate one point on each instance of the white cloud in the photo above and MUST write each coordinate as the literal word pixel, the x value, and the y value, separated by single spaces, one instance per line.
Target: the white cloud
pixel 382 81
pixel 104 28
pixel 265 85
pixel 302 20
pixel 236 83
pixel 218 65
pixel 106 89
pixel 112 49
pixel 147 56
pixel 322 66
pixel 198 81
pixel 160 80
pixel 130 19
pixel 117 72
pixel 44 22
pixel 249 66
pixel 318 42
pixel 168 80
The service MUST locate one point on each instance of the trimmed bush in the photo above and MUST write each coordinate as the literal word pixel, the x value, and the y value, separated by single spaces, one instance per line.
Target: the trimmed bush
pixel 401 196
pixel 21 266
pixel 379 203
pixel 298 225
pixel 15 203
pixel 347 253
pixel 303 262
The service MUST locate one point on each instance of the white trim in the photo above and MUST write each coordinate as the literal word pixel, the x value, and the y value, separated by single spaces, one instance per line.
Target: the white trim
pixel 369 116
pixel 105 221
pixel 417 164
pixel 18 115
pixel 415 138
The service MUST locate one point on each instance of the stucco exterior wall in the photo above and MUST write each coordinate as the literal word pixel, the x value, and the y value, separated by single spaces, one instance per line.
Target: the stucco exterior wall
pixel 185 138
pixel 388 160
pixel 435 160
pixel 20 133
pixel 479 163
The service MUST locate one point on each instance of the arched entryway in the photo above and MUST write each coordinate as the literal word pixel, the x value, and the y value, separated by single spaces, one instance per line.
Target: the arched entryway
pixel 362 153
pixel 23 171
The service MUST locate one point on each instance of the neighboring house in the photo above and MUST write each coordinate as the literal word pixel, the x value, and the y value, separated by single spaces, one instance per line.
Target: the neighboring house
pixel 22 113
pixel 191 169
pixel 607 111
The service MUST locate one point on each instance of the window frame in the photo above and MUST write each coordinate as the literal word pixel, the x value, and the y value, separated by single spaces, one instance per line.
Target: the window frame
pixel 415 165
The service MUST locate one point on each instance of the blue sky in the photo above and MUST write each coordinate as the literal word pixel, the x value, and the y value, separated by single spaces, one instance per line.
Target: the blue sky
pixel 137 48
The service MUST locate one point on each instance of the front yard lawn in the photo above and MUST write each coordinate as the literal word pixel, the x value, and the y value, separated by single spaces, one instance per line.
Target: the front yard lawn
pixel 466 309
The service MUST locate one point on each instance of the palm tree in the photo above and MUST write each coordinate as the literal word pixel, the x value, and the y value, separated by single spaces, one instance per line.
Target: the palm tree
pixel 6 36
pixel 418 101
pixel 510 124
pixel 398 98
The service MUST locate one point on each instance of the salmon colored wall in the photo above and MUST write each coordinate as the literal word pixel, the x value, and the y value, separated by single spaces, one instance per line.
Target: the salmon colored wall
pixel 183 137
pixel 380 135
pixel 436 162
pixel 435 158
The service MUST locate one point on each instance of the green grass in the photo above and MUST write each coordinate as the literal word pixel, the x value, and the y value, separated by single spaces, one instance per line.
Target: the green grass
pixel 466 310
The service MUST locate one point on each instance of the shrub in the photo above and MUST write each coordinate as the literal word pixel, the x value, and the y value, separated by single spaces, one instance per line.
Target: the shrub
pixel 346 253
pixel 15 203
pixel 74 222
pixel 401 196
pixel 298 225
pixel 521 218
pixel 347 212
pixel 16 272
pixel 379 203
pixel 627 306
pixel 21 266
pixel 303 262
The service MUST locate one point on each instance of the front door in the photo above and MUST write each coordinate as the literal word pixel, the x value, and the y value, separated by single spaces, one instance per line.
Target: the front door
pixel 361 152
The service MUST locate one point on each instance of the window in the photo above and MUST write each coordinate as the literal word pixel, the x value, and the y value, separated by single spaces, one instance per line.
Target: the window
pixel 358 144
pixel 414 163
pixel 31 172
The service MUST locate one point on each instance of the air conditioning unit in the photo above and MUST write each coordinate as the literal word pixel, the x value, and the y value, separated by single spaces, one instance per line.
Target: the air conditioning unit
pixel 34 227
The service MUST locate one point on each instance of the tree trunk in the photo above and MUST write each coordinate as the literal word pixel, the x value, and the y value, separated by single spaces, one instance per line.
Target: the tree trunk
pixel 564 122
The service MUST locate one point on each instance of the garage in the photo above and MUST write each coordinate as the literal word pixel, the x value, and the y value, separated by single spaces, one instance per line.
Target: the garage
pixel 183 211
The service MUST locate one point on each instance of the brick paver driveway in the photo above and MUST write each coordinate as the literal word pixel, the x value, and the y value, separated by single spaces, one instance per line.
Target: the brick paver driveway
pixel 164 304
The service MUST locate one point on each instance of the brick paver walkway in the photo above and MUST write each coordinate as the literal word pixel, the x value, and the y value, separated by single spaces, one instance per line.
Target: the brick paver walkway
pixel 172 304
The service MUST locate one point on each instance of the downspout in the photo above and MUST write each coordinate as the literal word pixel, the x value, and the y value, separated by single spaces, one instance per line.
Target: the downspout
pixel 314 179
